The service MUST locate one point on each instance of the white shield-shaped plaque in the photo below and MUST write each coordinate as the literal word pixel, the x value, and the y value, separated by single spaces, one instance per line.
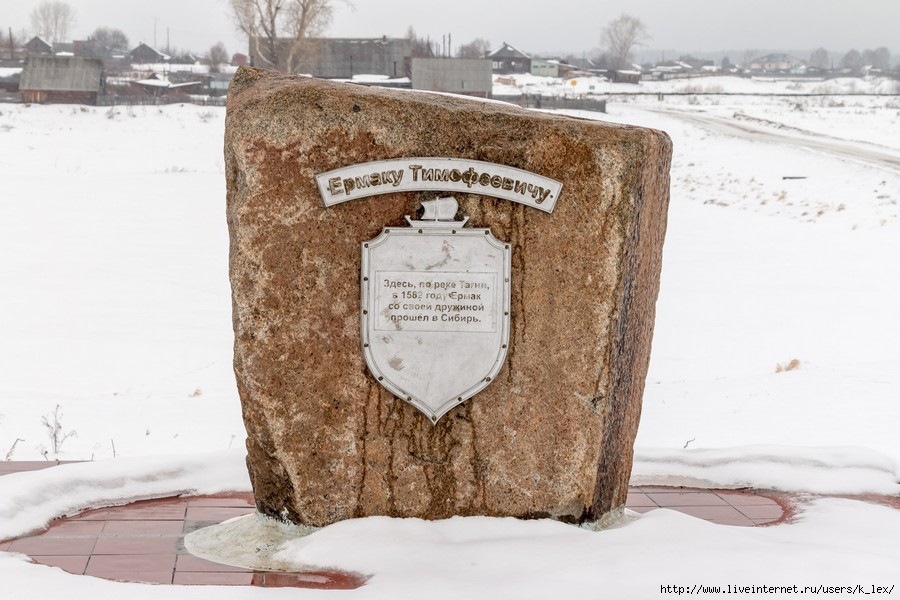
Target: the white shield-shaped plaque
pixel 435 312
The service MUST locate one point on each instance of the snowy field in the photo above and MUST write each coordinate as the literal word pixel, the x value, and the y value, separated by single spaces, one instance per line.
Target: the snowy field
pixel 775 361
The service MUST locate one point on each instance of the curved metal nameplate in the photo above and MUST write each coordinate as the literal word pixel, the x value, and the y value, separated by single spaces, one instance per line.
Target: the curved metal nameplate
pixel 438 174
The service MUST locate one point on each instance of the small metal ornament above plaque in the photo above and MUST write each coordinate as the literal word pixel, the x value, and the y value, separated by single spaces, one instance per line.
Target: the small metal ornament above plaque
pixel 435 308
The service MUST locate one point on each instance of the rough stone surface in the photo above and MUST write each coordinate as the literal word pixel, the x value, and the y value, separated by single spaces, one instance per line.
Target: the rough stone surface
pixel 553 435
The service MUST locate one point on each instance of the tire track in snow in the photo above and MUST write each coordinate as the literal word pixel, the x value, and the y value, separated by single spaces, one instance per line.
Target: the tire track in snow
pixel 857 151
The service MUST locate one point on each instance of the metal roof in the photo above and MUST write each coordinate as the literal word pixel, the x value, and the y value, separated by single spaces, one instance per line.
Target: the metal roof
pixel 507 51
pixel 61 74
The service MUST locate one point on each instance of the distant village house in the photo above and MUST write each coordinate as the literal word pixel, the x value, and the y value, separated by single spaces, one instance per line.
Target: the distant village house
pixel 777 63
pixel 61 79
pixel 468 76
pixel 544 68
pixel 625 76
pixel 158 85
pixel 507 59
pixel 337 58
pixel 144 54
pixel 38 45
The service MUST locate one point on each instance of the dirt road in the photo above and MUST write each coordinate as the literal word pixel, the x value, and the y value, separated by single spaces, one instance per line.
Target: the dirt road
pixel 859 151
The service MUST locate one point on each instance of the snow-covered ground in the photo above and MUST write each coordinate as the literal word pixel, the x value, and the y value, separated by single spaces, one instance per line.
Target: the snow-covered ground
pixel 115 301
pixel 775 360
pixel 521 83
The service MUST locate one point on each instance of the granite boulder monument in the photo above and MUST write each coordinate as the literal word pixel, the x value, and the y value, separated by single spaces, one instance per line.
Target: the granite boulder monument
pixel 442 306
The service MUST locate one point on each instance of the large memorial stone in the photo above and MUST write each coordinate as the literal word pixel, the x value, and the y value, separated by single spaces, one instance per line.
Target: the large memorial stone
pixel 336 428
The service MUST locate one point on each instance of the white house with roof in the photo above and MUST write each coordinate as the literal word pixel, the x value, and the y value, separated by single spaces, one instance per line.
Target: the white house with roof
pixel 777 63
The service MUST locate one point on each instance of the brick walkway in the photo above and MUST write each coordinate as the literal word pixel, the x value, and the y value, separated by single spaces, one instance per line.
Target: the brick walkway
pixel 144 541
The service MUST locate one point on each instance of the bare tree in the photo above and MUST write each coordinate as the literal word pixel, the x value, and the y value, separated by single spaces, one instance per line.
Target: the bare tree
pixel 603 60
pixel 421 47
pixel 879 58
pixel 750 55
pixel 883 58
pixel 114 39
pixel 852 61
pixel 620 37
pixel 278 29
pixel 217 56
pixel 819 58
pixel 477 48
pixel 52 20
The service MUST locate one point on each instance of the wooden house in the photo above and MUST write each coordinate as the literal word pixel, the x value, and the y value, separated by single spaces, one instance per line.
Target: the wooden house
pixel 38 46
pixel 144 54
pixel 61 79
pixel 508 59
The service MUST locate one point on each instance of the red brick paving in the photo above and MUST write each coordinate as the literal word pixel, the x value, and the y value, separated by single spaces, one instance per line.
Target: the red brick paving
pixel 724 507
pixel 144 541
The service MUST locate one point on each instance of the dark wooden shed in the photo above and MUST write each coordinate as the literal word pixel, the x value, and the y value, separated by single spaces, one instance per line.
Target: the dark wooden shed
pixel 61 79
pixel 38 45
pixel 146 55
pixel 508 59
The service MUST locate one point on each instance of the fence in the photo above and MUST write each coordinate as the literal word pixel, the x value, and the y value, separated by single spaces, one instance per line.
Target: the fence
pixel 143 100
pixel 555 102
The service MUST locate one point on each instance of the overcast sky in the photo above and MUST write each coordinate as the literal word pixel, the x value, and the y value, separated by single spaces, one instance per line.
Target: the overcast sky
pixel 531 25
